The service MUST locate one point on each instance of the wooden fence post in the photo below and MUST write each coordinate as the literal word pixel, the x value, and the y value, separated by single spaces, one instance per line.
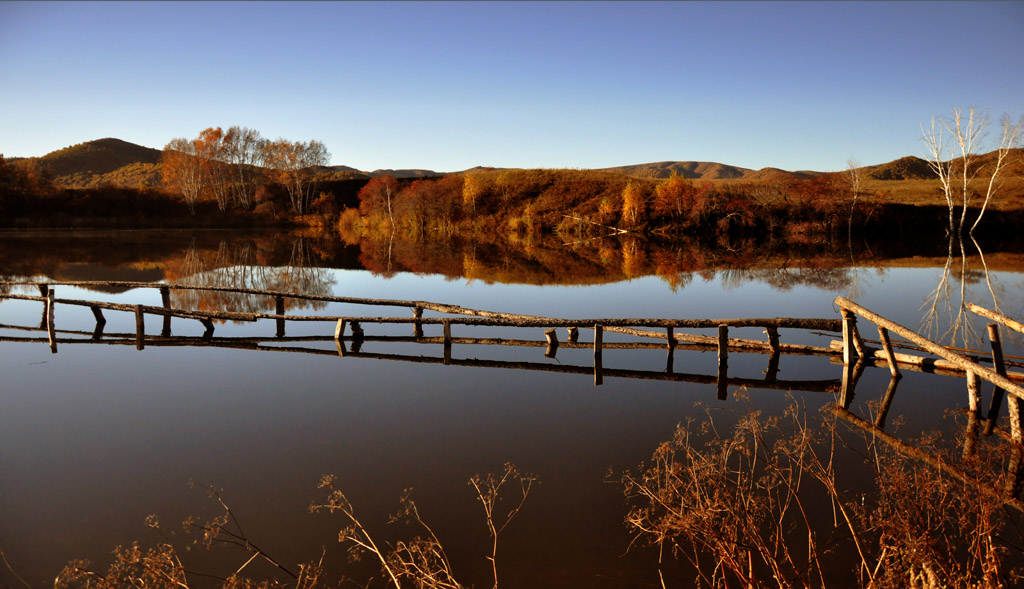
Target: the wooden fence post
pixel 1012 402
pixel 851 374
pixel 208 327
pixel 973 391
pixel 883 336
pixel 447 326
pixel 670 345
pixel 773 339
pixel 165 300
pixel 848 326
pixel 723 362
pixel 98 314
pixel 890 393
pixel 140 328
pixel 279 310
pixel 48 314
pixel 973 413
pixel 417 313
pixel 339 329
pixel 46 306
pixel 598 345
pixel 773 366
pixel 1014 471
pixel 573 334
pixel 552 348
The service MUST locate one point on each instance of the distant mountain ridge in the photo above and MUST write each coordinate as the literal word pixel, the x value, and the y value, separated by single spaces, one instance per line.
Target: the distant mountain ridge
pixel 98 157
pixel 703 170
pixel 119 162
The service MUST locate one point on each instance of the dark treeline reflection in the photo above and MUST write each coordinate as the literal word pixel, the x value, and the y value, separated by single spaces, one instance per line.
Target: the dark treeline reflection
pixel 783 265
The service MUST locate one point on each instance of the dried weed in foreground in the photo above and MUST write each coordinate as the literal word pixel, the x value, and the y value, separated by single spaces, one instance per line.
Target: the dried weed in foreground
pixel 736 504
pixel 421 562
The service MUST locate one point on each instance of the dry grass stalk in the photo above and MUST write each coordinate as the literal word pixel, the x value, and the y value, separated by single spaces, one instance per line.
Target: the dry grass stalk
pixel 735 504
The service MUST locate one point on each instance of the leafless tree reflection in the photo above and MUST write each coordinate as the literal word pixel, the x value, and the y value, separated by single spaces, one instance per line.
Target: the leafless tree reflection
pixel 945 315
pixel 236 266
pixel 836 279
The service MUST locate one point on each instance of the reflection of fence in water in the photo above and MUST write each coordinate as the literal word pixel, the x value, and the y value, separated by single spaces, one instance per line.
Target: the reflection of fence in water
pixel 352 347
pixel 456 315
pixel 854 351
pixel 852 347
pixel 856 354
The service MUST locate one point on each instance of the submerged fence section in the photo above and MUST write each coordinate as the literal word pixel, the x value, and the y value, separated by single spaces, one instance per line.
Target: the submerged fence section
pixel 852 350
pixel 349 334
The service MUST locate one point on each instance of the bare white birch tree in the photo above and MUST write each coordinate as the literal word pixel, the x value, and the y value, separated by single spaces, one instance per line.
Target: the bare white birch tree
pixel 968 134
pixel 183 167
pixel 213 152
pixel 963 152
pixel 1010 138
pixel 940 160
pixel 245 152
pixel 853 172
pixel 296 166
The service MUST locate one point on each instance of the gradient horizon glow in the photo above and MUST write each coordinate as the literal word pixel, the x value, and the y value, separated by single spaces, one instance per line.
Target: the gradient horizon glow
pixel 451 85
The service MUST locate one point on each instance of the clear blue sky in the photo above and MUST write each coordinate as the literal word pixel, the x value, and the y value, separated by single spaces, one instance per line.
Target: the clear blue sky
pixel 447 86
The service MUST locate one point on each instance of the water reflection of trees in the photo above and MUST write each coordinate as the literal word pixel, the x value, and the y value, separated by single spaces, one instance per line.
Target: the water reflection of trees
pixel 537 260
pixel 235 265
pixel 945 316
pixel 836 279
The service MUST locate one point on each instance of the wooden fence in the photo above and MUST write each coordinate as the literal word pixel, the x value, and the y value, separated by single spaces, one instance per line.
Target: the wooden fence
pixel 853 351
pixel 668 330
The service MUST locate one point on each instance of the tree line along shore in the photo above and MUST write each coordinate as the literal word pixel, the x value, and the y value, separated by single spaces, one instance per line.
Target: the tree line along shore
pixel 236 178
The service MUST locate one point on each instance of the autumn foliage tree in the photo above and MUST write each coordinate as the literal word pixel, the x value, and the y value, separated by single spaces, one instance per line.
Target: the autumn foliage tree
pixel 633 206
pixel 378 196
pixel 212 153
pixel 183 168
pixel 674 196
pixel 475 185
pixel 295 165
pixel 231 166
pixel 245 151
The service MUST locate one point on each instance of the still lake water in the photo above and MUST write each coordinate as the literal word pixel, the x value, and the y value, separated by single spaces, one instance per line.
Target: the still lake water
pixel 96 437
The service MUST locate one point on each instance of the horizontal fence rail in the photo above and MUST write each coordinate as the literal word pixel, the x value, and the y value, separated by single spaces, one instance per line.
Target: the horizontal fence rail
pixel 668 330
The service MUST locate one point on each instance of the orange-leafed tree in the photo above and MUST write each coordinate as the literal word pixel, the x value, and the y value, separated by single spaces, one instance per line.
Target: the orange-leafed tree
pixel 441 201
pixel 183 169
pixel 377 197
pixel 412 205
pixel 632 204
pixel 212 152
pixel 296 165
pixel 474 186
pixel 674 196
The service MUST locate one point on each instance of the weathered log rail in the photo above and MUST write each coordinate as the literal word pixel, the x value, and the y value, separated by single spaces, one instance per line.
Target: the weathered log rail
pixel 667 330
pixel 260 344
pixel 855 351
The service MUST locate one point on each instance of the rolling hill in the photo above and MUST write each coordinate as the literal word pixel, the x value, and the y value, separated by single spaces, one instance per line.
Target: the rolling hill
pixel 97 157
pixel 117 162
pixel 703 170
